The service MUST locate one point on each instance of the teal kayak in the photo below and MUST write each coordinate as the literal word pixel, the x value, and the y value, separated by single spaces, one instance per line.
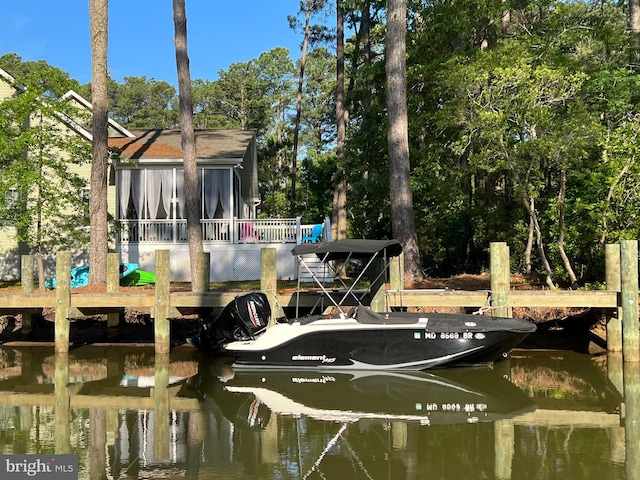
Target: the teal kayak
pixel 80 275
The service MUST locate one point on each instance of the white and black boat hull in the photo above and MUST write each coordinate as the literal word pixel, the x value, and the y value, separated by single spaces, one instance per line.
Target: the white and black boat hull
pixel 403 342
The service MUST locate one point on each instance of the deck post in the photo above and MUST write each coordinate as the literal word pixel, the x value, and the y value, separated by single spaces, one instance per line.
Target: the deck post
pixel 396 282
pixel 203 274
pixel 113 272
pixel 26 285
pixel 396 273
pixel 629 299
pixel 612 280
pixel 63 301
pixel 113 286
pixel 500 278
pixel 161 308
pixel 269 279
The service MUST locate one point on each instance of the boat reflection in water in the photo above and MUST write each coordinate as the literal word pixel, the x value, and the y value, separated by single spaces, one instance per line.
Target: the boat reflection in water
pixel 447 396
pixel 134 414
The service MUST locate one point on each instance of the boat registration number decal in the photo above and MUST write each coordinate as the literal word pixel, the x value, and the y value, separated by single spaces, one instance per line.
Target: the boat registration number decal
pixel 448 335
pixel 451 407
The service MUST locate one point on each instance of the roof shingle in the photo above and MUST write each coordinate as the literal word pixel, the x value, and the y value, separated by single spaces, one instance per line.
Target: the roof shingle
pixel 167 144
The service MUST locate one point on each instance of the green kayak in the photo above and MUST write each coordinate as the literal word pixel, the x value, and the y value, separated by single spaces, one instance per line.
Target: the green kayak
pixel 137 278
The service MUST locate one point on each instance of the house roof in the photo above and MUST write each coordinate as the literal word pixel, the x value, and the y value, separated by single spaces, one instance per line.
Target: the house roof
pixel 4 75
pixel 167 144
pixel 117 129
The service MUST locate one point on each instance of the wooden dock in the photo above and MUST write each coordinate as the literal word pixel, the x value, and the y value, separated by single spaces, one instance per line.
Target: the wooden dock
pixel 165 304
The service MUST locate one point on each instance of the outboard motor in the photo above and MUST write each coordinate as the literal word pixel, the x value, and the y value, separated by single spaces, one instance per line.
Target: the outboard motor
pixel 242 319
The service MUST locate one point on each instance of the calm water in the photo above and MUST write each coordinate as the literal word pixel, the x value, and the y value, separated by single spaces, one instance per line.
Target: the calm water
pixel 127 413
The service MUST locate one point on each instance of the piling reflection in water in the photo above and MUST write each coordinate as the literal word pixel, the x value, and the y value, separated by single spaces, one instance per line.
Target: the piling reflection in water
pixel 129 413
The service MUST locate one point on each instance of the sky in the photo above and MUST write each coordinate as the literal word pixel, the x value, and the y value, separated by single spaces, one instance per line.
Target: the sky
pixel 219 33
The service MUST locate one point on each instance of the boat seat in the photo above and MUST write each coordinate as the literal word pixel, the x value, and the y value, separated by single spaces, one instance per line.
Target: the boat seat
pixel 366 315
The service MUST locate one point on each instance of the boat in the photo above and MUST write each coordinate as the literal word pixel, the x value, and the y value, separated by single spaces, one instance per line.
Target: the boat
pixel 446 396
pixel 355 337
pixel 80 275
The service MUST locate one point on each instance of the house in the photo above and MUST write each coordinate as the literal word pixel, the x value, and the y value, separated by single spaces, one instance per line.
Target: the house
pixel 148 175
pixel 146 197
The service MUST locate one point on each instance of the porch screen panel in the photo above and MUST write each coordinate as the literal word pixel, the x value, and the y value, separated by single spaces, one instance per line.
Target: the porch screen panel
pixel 167 191
pixel 154 185
pixel 225 192
pixel 137 192
pixel 124 185
pixel 216 193
pixel 180 192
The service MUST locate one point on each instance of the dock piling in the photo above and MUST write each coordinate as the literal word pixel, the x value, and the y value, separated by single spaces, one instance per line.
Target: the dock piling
pixel 612 280
pixel 113 286
pixel 26 286
pixel 161 308
pixel 203 273
pixel 629 299
pixel 269 279
pixel 500 280
pixel 63 301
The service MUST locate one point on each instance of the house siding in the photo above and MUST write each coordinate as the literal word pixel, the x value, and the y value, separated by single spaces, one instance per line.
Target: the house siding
pixel 6 91
pixel 10 250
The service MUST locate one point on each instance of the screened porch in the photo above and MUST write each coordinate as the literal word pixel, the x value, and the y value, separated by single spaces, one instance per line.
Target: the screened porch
pixel 150 206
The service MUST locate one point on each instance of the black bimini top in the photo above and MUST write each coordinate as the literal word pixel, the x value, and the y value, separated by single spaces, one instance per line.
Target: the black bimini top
pixel 353 248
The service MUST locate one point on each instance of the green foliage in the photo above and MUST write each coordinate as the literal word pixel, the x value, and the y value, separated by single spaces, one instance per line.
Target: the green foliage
pixel 41 193
pixel 499 113
pixel 143 103
pixel 496 113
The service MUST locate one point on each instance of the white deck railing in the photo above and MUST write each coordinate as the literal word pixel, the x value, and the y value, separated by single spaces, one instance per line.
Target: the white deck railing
pixel 226 231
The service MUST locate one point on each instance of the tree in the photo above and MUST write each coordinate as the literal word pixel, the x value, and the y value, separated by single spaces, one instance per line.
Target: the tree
pixel 401 196
pixel 311 34
pixel 307 8
pixel 143 103
pixel 42 194
pixel 339 215
pixel 192 198
pixel 519 140
pixel 98 209
pixel 276 72
pixel 317 137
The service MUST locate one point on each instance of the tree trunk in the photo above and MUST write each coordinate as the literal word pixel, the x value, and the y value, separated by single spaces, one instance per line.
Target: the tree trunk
pixel 339 215
pixel 529 249
pixel 401 196
pixel 563 254
pixel 296 129
pixel 529 204
pixel 191 192
pixel 634 16
pixel 98 209
pixel 339 221
pixel 365 28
